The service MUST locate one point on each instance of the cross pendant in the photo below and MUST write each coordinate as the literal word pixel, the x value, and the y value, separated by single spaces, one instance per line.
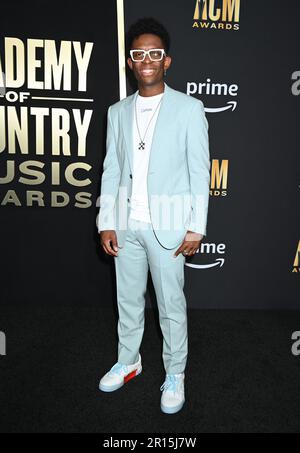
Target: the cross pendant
pixel 142 145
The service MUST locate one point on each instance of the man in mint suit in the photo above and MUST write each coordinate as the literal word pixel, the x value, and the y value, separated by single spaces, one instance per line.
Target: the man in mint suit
pixel 153 207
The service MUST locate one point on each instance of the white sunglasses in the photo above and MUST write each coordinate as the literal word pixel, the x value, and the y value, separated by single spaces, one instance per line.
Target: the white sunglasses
pixel 154 54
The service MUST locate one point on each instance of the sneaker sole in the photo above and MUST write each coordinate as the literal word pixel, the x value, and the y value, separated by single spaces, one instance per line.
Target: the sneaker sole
pixel 112 388
pixel 172 410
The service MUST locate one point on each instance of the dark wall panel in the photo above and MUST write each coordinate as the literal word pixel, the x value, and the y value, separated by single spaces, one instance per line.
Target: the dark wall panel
pixel 245 64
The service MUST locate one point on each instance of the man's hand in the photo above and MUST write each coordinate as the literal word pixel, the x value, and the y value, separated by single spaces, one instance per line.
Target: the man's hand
pixel 190 244
pixel 109 242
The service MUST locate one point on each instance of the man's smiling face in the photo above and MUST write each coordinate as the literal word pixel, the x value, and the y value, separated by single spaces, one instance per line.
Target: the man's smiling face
pixel 147 72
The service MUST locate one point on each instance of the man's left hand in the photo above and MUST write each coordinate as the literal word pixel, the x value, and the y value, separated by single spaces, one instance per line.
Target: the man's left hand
pixel 190 244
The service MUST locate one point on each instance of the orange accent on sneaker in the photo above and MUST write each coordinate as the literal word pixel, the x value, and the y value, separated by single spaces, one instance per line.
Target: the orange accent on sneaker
pixel 130 376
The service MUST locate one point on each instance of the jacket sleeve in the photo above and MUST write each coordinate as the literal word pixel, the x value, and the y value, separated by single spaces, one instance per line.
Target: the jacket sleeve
pixel 198 159
pixel 110 180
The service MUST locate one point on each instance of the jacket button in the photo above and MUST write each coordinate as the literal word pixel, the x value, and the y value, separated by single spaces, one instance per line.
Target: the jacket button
pixel 130 176
pixel 128 199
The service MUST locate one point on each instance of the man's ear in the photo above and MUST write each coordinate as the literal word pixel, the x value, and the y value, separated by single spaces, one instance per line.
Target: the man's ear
pixel 129 62
pixel 168 61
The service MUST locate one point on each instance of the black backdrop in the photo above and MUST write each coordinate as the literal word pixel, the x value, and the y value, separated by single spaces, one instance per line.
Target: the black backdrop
pixel 50 253
pixel 256 220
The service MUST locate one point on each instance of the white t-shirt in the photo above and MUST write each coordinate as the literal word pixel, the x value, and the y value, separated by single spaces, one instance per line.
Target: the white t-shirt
pixel 145 108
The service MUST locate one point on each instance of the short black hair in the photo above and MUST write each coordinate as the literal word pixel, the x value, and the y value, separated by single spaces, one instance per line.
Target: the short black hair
pixel 148 25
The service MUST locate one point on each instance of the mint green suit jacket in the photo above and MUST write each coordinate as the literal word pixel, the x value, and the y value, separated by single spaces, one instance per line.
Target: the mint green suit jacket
pixel 179 168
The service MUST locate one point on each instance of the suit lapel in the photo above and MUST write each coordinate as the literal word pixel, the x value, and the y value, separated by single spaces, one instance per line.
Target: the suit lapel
pixel 127 123
pixel 162 120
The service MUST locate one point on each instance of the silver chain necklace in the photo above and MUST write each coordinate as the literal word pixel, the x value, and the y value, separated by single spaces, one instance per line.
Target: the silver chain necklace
pixel 142 143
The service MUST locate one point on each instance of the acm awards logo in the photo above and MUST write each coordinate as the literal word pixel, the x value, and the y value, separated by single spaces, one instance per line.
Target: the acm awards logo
pixel 217 14
pixel 219 178
pixel 296 264
pixel 44 124
pixel 295 90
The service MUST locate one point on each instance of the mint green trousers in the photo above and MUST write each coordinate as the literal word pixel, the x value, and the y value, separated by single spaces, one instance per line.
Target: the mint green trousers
pixel 140 253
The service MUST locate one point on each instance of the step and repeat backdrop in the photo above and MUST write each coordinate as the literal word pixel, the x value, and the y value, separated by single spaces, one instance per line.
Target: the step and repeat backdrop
pixel 241 58
pixel 59 74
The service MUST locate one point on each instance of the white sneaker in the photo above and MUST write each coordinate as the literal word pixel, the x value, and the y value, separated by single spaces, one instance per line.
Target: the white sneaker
pixel 118 375
pixel 172 398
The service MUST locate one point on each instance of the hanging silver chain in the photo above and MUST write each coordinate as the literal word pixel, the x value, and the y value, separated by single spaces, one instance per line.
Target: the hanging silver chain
pixel 142 143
